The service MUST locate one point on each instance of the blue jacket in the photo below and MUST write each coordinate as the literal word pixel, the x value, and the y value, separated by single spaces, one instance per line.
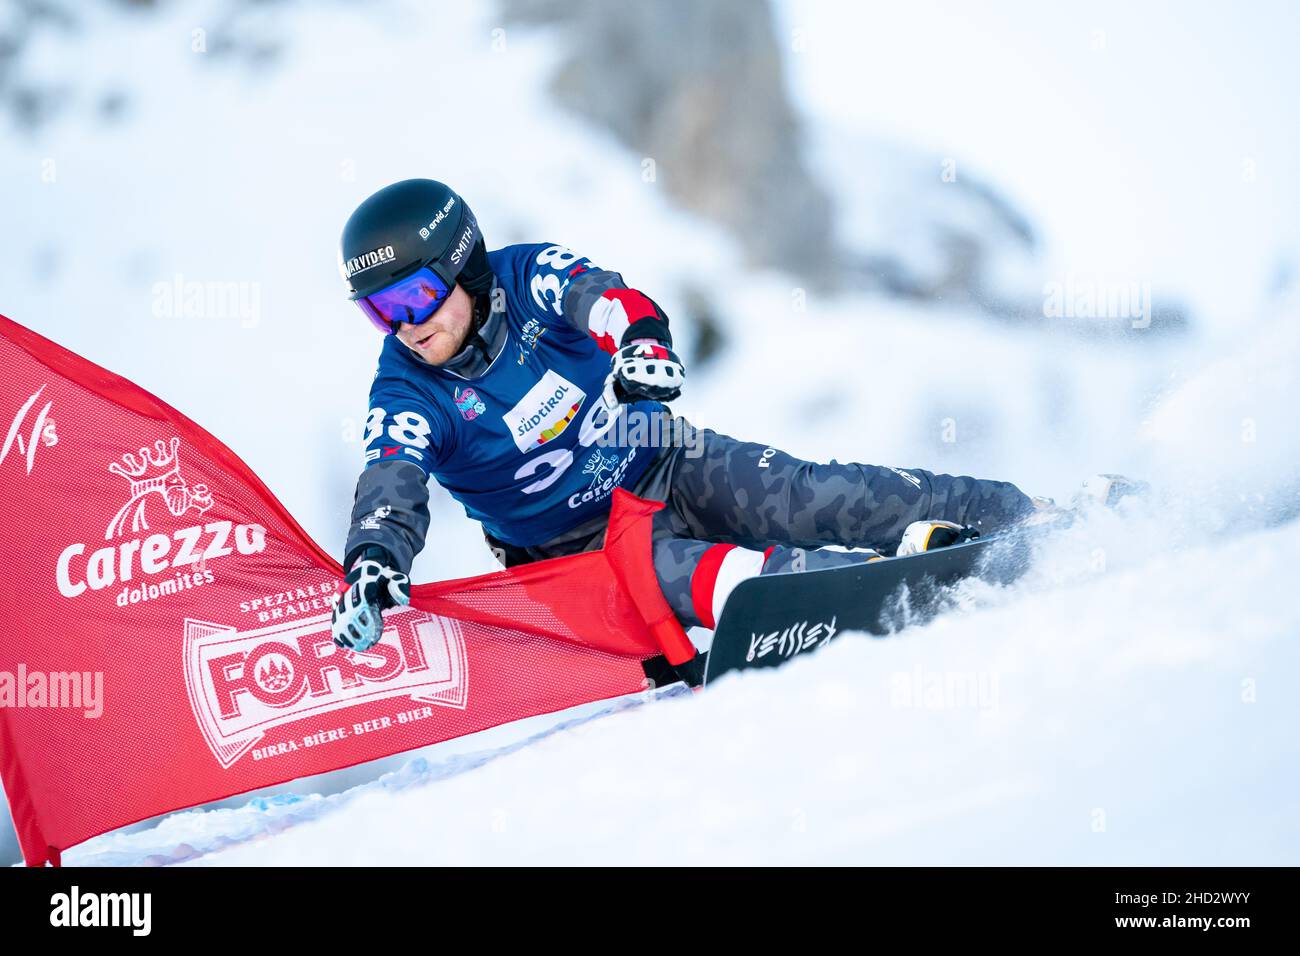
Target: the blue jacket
pixel 520 438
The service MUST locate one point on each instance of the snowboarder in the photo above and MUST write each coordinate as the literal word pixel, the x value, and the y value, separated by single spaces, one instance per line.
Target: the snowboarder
pixel 530 382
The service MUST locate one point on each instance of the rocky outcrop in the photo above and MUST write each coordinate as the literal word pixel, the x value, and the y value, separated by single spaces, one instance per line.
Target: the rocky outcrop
pixel 699 88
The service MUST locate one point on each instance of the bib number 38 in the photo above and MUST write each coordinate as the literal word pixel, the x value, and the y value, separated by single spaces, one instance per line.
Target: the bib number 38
pixel 547 284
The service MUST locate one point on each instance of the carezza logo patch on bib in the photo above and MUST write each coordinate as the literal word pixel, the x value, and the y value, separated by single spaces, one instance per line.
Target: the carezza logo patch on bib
pixel 547 410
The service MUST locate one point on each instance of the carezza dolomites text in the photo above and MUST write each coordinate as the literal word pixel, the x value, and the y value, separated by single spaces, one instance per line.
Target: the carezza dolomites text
pixel 156 555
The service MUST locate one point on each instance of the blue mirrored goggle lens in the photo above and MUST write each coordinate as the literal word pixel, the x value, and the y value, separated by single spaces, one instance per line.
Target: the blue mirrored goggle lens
pixel 411 300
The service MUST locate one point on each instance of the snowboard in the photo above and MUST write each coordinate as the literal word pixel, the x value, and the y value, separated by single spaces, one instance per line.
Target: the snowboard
pixel 769 620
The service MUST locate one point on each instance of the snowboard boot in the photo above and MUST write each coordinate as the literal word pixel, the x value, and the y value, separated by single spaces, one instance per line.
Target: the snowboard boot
pixel 929 535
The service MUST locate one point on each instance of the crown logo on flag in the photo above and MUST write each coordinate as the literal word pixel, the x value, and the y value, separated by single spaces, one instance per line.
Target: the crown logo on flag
pixel 156 470
pixel 152 465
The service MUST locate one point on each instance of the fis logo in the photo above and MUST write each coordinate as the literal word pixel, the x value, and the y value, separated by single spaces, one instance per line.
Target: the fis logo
pixel 42 431
pixel 244 685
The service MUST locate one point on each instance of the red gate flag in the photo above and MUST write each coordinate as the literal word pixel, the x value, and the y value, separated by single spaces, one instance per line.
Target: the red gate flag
pixel 165 625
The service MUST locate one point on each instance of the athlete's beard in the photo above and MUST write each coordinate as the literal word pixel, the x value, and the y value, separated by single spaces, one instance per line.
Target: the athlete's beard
pixel 482 305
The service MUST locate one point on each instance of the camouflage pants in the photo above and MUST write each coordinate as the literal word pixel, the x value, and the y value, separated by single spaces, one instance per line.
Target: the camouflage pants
pixel 735 509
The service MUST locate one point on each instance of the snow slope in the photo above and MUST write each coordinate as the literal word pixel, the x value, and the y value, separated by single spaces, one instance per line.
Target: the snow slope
pixel 1041 726
pixel 1128 701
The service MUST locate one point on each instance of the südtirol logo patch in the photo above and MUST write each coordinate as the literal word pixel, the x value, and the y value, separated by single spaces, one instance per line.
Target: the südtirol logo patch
pixel 545 412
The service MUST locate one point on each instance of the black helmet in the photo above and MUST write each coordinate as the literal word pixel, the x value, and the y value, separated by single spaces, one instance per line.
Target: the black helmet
pixel 408 225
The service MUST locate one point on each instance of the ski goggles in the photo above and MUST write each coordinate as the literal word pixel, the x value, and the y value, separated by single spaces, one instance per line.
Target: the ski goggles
pixel 411 300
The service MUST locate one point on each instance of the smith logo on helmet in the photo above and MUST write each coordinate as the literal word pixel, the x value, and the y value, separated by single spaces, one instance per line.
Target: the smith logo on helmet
pixel 466 238
pixel 367 260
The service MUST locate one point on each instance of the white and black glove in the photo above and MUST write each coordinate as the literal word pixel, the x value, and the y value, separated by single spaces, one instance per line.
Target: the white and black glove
pixel 373 585
pixel 644 369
